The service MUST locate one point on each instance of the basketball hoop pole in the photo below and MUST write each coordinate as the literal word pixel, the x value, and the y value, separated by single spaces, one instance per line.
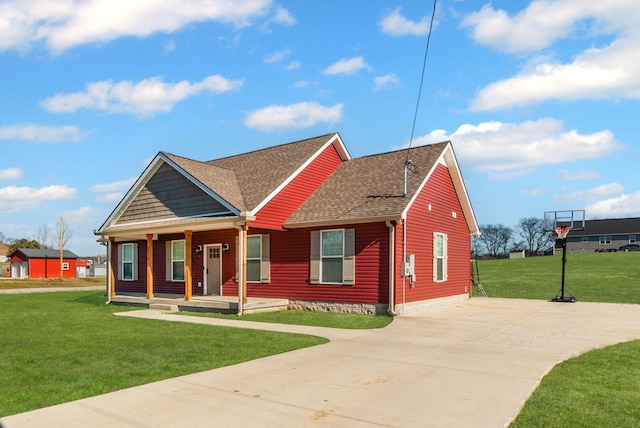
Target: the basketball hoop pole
pixel 562 233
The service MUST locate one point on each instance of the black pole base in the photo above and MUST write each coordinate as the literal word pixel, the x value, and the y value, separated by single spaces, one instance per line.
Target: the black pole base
pixel 565 299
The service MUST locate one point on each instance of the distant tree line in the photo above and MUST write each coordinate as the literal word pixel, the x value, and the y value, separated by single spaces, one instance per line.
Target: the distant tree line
pixel 47 237
pixel 498 240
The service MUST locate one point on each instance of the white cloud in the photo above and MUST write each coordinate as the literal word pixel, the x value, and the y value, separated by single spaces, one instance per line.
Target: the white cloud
pixel 626 205
pixel 534 193
pixel 10 174
pixel 599 72
pixel 64 24
pixel 603 191
pixel 510 149
pixel 384 82
pixel 113 187
pixel 565 174
pixel 395 24
pixel 41 134
pixel 301 115
pixel 141 99
pixel 293 65
pixel 283 17
pixel 13 198
pixel 169 46
pixel 277 56
pixel 347 66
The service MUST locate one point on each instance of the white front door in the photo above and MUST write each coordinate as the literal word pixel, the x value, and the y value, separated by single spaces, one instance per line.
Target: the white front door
pixel 213 269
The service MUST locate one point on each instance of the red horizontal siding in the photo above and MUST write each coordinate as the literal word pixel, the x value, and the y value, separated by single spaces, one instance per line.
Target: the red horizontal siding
pixel 50 268
pixel 421 223
pixel 280 208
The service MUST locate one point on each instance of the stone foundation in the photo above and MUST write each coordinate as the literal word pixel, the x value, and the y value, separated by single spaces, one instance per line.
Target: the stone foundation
pixel 346 308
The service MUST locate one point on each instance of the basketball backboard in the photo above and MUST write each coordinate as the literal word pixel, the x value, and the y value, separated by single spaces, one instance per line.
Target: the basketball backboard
pixel 573 219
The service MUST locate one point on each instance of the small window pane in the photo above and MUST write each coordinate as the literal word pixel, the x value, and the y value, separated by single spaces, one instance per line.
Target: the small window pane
pixel 253 270
pixel 178 250
pixel 253 247
pixel 178 271
pixel 332 270
pixel 440 269
pixel 439 245
pixel 127 252
pixel 127 271
pixel 332 243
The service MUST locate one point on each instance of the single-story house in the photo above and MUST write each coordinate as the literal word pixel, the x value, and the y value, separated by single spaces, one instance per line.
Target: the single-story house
pixel 604 234
pixel 302 221
pixel 42 263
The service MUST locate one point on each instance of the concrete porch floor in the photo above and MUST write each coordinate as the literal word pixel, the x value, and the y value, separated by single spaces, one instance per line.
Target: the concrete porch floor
pixel 223 304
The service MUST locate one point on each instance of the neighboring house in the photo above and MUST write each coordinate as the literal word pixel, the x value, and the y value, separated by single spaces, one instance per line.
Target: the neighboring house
pixel 605 234
pixel 301 221
pixel 38 263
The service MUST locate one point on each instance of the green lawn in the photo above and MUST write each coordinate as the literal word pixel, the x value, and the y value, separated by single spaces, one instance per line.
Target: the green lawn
pixel 58 347
pixel 319 319
pixel 599 388
pixel 9 283
pixel 590 277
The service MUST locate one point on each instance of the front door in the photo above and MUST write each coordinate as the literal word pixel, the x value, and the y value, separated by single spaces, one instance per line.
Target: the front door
pixel 213 269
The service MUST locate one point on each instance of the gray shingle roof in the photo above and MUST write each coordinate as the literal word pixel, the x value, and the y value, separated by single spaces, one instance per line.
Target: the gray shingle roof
pixel 368 187
pixel 611 226
pixel 38 253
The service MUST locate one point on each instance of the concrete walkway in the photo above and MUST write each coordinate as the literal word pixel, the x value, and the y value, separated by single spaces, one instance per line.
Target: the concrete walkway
pixel 472 364
pixel 51 289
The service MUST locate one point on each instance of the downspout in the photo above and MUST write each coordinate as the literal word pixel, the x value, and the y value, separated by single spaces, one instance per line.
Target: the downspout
pixel 392 251
pixel 404 258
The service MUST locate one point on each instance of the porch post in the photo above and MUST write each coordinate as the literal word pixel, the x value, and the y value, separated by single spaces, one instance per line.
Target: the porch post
pixel 111 280
pixel 242 271
pixel 149 266
pixel 188 285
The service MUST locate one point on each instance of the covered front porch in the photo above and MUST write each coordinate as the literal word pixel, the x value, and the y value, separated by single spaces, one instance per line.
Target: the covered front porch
pixel 220 304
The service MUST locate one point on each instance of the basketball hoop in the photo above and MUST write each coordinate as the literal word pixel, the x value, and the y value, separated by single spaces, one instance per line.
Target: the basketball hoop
pixel 562 231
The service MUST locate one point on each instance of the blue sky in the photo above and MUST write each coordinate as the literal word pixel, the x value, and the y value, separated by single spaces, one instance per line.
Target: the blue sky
pixel 540 99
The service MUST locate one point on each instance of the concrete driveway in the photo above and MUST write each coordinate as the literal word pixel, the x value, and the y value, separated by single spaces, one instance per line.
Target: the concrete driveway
pixel 472 364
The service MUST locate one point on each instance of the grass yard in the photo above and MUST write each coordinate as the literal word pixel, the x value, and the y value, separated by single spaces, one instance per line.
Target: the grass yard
pixel 9 283
pixel 319 319
pixel 58 347
pixel 598 388
pixel 590 277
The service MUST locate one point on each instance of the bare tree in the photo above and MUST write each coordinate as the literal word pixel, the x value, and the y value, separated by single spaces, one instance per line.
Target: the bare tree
pixel 495 238
pixel 64 233
pixel 46 236
pixel 531 229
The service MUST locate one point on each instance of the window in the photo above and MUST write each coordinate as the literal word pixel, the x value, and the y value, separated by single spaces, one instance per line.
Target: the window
pixel 331 253
pixel 258 259
pixel 65 265
pixel 585 239
pixel 439 257
pixel 177 260
pixel 632 239
pixel 333 257
pixel 254 257
pixel 605 240
pixel 128 262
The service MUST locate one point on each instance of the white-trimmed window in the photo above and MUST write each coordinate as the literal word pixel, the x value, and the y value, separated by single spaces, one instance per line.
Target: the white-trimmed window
pixel 258 259
pixel 585 239
pixel 333 256
pixel 439 257
pixel 176 260
pixel 605 240
pixel 632 239
pixel 65 265
pixel 128 262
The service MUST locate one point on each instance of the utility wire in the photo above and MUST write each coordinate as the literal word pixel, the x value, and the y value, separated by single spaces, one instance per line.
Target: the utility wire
pixel 424 66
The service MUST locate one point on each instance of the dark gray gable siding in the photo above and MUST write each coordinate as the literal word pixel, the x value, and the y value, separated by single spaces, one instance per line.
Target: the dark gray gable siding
pixel 168 194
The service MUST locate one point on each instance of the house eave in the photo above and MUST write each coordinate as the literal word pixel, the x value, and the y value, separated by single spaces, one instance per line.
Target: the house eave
pixel 342 221
pixel 140 230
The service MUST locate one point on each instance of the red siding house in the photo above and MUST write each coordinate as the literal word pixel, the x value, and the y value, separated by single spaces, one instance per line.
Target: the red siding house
pixel 301 221
pixel 39 263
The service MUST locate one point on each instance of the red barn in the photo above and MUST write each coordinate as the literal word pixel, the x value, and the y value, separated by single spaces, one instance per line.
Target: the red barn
pixel 301 221
pixel 38 263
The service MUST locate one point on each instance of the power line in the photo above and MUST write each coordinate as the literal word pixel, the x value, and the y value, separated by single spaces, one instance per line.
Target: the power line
pixel 424 66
